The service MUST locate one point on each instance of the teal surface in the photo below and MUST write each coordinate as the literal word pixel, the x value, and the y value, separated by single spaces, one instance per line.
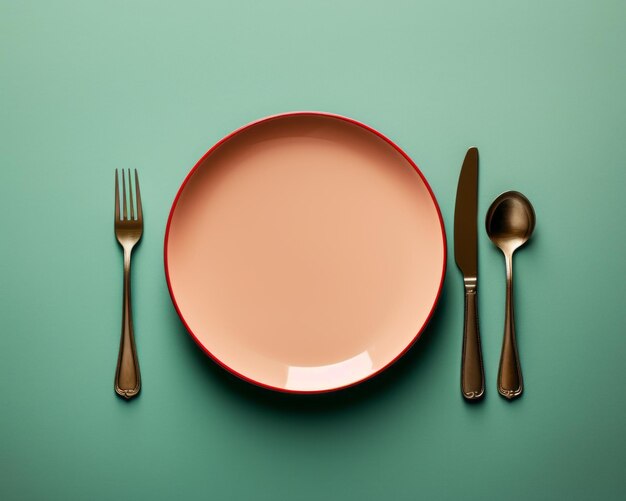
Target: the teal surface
pixel 86 87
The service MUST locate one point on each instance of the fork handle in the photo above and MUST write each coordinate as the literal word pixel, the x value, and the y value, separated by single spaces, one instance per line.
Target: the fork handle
pixel 127 375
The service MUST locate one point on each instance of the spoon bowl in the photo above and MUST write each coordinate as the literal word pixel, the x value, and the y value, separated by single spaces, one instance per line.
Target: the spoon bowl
pixel 510 223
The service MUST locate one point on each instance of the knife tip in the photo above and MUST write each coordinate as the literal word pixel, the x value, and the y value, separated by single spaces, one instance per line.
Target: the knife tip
pixel 472 154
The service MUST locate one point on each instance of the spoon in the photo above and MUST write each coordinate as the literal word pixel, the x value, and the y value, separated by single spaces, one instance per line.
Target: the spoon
pixel 510 223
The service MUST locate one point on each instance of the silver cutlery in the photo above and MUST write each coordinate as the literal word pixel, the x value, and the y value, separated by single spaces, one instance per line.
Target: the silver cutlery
pixel 128 231
pixel 510 223
pixel 466 256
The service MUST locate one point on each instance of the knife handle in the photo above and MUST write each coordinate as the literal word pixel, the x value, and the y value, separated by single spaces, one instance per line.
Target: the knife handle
pixel 472 372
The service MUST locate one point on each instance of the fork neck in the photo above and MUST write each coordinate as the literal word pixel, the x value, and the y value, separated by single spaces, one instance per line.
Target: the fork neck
pixel 128 250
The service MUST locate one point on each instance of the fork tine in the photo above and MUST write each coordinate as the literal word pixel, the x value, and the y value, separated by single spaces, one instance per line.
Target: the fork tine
pixel 130 193
pixel 117 197
pixel 125 213
pixel 139 210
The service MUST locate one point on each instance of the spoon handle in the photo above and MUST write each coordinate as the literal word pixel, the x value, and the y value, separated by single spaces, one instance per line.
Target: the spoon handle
pixel 510 384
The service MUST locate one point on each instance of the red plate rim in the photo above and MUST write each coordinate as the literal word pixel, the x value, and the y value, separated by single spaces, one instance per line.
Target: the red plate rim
pixel 248 126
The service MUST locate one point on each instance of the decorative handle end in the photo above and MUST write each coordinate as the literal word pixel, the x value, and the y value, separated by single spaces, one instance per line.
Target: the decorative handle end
pixel 127 394
pixel 510 394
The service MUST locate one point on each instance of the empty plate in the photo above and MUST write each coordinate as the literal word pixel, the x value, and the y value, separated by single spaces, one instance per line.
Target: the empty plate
pixel 305 252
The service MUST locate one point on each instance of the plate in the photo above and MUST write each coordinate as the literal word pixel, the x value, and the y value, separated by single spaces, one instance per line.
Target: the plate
pixel 305 252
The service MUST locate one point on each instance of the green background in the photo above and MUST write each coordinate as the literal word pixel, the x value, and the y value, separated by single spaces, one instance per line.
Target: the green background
pixel 86 87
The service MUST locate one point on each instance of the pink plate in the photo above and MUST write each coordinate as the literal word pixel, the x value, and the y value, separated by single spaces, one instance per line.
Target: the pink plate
pixel 305 252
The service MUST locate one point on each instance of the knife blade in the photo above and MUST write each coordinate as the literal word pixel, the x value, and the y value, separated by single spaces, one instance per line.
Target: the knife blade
pixel 466 256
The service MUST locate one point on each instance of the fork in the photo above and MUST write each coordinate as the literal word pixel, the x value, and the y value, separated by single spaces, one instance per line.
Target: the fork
pixel 128 231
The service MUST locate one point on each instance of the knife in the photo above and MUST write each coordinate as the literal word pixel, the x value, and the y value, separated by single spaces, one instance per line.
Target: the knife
pixel 466 256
